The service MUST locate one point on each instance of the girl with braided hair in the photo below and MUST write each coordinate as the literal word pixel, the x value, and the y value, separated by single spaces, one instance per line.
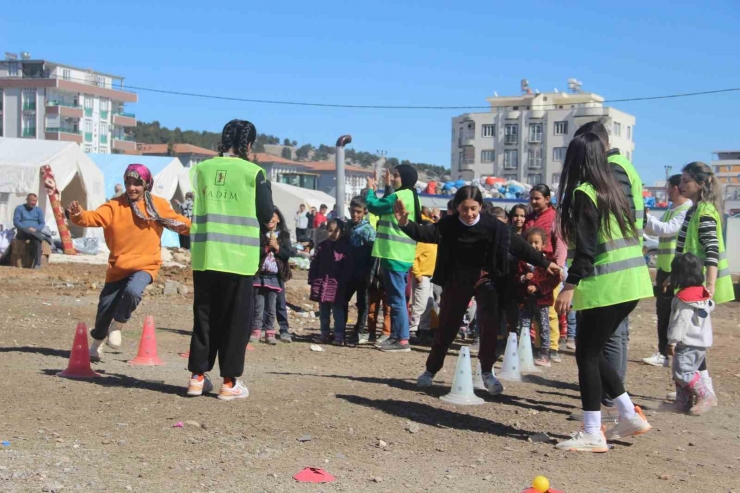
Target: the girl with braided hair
pixel 232 200
pixel 132 225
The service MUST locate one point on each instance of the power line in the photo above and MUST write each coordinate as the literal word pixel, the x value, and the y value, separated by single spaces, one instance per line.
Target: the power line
pixel 400 107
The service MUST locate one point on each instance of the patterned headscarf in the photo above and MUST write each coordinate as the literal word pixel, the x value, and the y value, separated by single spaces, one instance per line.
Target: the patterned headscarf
pixel 142 173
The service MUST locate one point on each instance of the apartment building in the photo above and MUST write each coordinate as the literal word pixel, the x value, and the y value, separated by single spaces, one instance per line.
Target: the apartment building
pixel 45 100
pixel 525 137
pixel 726 165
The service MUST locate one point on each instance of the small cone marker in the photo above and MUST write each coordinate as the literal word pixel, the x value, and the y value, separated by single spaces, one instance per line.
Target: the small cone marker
pixel 510 368
pixel 478 378
pixel 462 385
pixel 147 346
pixel 526 360
pixel 79 358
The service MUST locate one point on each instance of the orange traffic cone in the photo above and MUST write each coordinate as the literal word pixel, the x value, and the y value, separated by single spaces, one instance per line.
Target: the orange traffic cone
pixel 79 359
pixel 147 346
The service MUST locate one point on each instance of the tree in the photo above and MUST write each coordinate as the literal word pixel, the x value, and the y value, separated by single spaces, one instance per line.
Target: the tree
pixel 286 142
pixel 286 153
pixel 303 151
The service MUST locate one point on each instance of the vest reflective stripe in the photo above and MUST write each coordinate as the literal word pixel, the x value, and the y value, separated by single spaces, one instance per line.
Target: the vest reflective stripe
pixel 636 184
pixel 619 274
pixel 225 232
pixel 667 244
pixel 390 241
pixel 723 288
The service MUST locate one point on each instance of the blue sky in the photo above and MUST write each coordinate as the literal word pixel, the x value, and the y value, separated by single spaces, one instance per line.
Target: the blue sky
pixel 403 52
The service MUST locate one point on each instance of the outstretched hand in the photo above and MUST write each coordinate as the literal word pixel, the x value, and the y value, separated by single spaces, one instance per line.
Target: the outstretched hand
pixel 75 209
pixel 399 211
pixel 372 183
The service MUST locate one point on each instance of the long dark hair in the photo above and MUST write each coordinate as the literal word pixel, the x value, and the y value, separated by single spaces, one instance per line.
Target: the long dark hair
pixel 238 135
pixel 281 227
pixel 687 270
pixel 711 189
pixel 585 162
pixel 467 192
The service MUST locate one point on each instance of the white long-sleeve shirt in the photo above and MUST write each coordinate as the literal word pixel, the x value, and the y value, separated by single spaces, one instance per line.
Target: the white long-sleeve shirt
pixel 301 220
pixel 656 227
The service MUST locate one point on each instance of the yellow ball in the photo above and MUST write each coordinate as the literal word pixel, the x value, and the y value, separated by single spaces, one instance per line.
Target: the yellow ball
pixel 541 484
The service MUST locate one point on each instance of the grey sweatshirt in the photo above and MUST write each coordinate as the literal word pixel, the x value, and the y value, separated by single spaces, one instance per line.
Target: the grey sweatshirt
pixel 690 323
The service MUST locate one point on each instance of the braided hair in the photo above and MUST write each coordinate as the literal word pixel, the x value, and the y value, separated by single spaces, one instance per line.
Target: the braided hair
pixel 238 135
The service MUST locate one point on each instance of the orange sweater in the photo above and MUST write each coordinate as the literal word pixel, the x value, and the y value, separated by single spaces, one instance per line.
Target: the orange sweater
pixel 134 245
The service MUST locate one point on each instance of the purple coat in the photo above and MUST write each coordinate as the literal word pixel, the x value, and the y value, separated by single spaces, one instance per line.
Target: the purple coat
pixel 331 270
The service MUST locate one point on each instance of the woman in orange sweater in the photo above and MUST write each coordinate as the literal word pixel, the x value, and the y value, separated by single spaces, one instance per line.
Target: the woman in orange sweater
pixel 132 225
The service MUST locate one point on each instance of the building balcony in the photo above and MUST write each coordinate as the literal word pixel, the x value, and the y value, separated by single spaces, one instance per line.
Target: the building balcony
pixel 591 112
pixel 511 139
pixel 28 106
pixel 29 132
pixel 124 119
pixel 88 136
pixel 88 112
pixel 63 109
pixel 104 115
pixel 63 134
pixel 123 143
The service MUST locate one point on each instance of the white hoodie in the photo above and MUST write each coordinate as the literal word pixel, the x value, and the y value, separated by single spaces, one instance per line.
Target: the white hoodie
pixel 690 323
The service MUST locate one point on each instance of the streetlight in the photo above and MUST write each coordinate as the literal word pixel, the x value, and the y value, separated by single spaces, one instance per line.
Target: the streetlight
pixel 667 172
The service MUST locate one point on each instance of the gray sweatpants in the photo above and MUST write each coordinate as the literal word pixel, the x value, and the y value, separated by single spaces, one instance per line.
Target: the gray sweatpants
pixel 615 350
pixel 686 363
pixel 264 309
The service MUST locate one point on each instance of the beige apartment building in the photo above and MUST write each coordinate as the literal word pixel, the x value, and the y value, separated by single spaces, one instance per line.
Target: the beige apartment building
pixel 726 165
pixel 45 100
pixel 525 137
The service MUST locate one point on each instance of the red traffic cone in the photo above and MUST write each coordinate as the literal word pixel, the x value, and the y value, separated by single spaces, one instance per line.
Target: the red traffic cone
pixel 147 346
pixel 79 359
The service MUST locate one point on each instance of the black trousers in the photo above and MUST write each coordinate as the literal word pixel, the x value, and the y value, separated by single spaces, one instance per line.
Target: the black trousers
pixel 36 239
pixel 595 375
pixel 222 312
pixel 663 302
pixel 184 241
pixel 455 298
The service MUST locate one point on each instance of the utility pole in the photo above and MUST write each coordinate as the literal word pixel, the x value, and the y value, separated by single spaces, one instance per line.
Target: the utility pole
pixel 667 172
pixel 379 165
pixel 339 206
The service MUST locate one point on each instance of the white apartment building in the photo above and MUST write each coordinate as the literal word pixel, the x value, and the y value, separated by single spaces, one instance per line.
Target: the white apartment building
pixel 40 99
pixel 726 165
pixel 525 137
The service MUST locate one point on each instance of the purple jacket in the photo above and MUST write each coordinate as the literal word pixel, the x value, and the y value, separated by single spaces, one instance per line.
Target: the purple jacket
pixel 331 270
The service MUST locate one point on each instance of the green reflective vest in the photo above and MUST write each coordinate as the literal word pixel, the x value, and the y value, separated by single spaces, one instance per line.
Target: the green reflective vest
pixel 636 183
pixel 225 232
pixel 723 289
pixel 620 273
pixel 667 244
pixel 390 242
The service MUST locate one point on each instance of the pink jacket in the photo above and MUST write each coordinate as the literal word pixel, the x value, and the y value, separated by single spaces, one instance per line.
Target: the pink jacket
pixel 330 271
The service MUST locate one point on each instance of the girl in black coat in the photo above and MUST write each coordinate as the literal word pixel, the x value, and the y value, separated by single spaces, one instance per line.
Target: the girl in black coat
pixel 473 251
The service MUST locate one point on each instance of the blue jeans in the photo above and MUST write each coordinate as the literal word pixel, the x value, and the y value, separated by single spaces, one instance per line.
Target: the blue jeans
pixel 118 300
pixel 326 310
pixel 571 324
pixel 395 293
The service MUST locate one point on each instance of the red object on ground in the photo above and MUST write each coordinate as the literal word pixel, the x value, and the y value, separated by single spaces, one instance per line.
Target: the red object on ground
pixel 79 359
pixel 250 347
pixel 147 346
pixel 186 354
pixel 314 475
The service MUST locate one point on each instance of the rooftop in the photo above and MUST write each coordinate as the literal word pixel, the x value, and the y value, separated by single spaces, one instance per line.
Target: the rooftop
pixel 310 165
pixel 177 148
pixel 65 65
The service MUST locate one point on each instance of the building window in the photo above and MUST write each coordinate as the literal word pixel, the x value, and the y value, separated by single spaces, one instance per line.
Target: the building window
pixel 561 128
pixel 510 177
pixel 558 153
pixel 534 179
pixel 13 69
pixel 555 178
pixel 66 74
pixel 487 156
pixel 535 133
pixel 511 159
pixel 468 155
pixel 534 157
pixel 100 81
pixel 629 133
pixel 728 168
pixel 489 130
pixel 617 129
pixel 511 134
pixel 460 158
pixel 29 99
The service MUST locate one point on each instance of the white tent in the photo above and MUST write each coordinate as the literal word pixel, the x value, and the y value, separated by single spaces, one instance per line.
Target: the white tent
pixel 77 177
pixel 288 198
pixel 171 179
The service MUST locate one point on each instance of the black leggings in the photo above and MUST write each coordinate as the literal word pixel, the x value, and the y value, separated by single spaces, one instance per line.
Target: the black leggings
pixel 595 374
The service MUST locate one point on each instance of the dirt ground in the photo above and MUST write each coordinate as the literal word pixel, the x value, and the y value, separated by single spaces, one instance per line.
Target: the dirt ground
pixel 116 433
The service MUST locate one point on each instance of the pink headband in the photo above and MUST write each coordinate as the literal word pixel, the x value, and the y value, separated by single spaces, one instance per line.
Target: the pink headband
pixel 140 172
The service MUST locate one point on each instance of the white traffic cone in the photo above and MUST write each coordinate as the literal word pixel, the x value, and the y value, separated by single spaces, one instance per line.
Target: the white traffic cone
pixel 478 378
pixel 526 360
pixel 510 368
pixel 462 385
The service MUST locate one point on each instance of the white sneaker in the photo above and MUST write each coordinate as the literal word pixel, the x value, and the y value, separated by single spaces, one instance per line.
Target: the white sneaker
pixel 710 386
pixel 492 383
pixel 197 387
pixel 626 428
pixel 238 391
pixel 657 359
pixel 670 396
pixel 585 442
pixel 425 380
pixel 114 335
pixel 95 351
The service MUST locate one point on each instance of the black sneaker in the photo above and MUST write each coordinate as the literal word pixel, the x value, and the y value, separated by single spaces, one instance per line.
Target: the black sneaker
pixel 352 340
pixel 395 346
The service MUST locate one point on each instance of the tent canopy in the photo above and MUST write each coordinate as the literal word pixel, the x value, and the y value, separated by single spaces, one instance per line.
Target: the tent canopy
pixel 288 198
pixel 171 180
pixel 77 177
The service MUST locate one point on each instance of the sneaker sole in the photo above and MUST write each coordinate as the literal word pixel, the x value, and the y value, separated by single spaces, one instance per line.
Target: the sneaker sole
pixel 406 350
pixel 231 397
pixel 657 365
pixel 113 346
pixel 635 433
pixel 194 393
pixel 593 450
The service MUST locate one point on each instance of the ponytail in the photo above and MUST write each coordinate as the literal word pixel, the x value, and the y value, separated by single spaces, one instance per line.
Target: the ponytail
pixel 238 135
